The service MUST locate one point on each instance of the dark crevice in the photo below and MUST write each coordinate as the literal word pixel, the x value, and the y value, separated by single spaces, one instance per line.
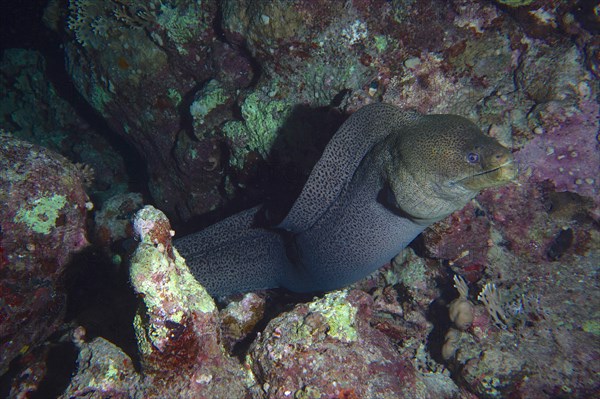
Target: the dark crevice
pixel 101 300
pixel 135 165
pixel 217 23
pixel 61 363
pixel 277 181
pixel 254 64
pixel 437 314
pixel 185 116
pixel 52 364
pixel 586 13
pixel 339 98
pixel 21 26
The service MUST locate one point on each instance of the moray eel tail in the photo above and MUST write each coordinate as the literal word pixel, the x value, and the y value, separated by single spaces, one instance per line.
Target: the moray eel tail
pixel 234 256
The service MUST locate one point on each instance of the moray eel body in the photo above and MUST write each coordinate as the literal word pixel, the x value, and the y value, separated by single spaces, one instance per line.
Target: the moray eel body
pixel 383 178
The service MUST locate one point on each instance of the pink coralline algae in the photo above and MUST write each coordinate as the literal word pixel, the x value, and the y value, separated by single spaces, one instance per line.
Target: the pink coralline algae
pixel 463 239
pixel 42 223
pixel 567 152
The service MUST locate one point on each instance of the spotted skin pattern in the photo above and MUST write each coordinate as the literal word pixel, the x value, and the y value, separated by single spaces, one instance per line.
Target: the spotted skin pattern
pixel 384 177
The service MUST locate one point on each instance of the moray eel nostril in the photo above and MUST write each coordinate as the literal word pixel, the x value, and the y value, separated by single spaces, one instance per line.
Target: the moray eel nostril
pixel 383 178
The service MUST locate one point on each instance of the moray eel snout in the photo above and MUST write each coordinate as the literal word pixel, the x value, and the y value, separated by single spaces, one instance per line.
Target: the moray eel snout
pixel 497 168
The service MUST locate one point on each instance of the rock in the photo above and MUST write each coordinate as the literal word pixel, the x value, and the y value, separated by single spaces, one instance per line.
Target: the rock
pixel 103 371
pixel 43 216
pixel 328 348
pixel 177 326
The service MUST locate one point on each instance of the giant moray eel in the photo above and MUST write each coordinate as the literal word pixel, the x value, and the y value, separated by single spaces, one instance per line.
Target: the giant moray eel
pixel 383 178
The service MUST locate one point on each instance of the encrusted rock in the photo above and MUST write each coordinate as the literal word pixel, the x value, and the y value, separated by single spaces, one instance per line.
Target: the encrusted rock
pixel 44 208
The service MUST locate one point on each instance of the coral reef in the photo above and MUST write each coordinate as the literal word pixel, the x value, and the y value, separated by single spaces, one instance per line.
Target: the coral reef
pixel 297 352
pixel 461 309
pixel 239 318
pixel 177 328
pixel 32 109
pixel 217 97
pixel 160 56
pixel 187 335
pixel 534 340
pixel 103 370
pixel 208 125
pixel 44 208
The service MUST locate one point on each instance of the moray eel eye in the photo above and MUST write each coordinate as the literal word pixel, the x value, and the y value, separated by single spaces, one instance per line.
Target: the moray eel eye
pixel 473 157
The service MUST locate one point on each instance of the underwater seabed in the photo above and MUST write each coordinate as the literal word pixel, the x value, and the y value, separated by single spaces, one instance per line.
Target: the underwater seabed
pixel 532 335
pixel 123 123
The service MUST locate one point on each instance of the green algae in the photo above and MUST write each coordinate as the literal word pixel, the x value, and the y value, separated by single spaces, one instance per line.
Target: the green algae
pixel 381 43
pixel 41 215
pixel 592 327
pixel 412 274
pixel 339 314
pixel 261 125
pixel 99 97
pixel 139 326
pixel 183 21
pixel 263 120
pixel 178 290
pixel 308 392
pixel 237 132
pixel 210 97
pixel 164 281
pixel 174 96
pixel 407 269
pixel 112 372
pixel 178 283
pixel 249 377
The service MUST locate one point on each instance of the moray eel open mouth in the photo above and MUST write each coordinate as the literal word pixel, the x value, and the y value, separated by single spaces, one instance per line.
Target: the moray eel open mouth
pixel 496 176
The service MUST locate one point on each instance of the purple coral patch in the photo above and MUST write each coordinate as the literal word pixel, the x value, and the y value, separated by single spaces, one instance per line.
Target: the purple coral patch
pixel 568 152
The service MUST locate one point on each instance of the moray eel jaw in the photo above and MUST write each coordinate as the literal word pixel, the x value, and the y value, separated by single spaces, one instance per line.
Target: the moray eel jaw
pixel 493 177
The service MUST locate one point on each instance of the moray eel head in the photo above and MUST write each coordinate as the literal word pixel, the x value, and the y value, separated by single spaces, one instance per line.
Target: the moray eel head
pixel 436 165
